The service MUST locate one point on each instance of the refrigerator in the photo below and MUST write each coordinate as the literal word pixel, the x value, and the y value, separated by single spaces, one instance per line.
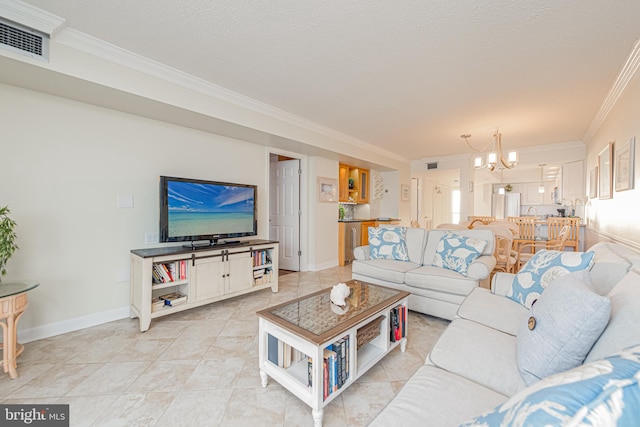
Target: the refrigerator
pixel 505 205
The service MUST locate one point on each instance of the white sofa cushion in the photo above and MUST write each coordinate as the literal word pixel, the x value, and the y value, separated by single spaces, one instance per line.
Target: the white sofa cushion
pixel 563 325
pixel 601 393
pixel 479 353
pixel 383 269
pixel 430 277
pixel 435 397
pixel 494 311
pixel 624 326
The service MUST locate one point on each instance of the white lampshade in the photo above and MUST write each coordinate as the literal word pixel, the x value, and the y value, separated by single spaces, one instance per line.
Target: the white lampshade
pixel 540 188
pixel 478 162
pixel 512 157
pixel 492 158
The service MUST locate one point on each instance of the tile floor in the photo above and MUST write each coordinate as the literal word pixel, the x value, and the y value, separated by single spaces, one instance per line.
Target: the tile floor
pixel 199 368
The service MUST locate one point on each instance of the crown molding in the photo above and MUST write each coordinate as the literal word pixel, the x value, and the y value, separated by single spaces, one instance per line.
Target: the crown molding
pixel 83 42
pixel 31 16
pixel 624 77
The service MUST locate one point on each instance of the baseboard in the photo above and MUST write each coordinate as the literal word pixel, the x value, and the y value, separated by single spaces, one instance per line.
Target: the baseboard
pixel 323 266
pixel 70 325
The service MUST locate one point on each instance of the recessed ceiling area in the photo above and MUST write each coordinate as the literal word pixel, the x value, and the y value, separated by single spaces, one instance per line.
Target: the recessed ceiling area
pixel 408 77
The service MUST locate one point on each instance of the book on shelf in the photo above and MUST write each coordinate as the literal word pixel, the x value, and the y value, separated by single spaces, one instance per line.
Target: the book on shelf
pixel 157 304
pixel 397 323
pixel 165 272
pixel 174 298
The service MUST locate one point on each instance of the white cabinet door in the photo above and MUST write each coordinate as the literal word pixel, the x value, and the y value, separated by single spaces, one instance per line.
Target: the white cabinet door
pixel 573 178
pixel 208 277
pixel 530 195
pixel 239 272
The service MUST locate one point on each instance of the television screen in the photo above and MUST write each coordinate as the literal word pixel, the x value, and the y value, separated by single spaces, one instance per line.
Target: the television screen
pixel 192 209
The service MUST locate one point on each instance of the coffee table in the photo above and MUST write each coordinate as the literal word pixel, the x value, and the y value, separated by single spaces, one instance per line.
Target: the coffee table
pixel 347 340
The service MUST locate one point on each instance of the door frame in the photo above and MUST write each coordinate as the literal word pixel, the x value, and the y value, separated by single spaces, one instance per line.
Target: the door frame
pixel 303 198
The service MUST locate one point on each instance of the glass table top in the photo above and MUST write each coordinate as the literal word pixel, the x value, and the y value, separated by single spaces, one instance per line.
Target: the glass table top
pixel 12 288
pixel 317 314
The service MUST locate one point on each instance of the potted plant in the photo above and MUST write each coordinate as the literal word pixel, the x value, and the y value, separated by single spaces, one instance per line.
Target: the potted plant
pixel 8 239
pixel 508 188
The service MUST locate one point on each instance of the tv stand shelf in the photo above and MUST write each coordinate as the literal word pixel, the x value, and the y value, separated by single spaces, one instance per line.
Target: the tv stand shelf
pixel 198 276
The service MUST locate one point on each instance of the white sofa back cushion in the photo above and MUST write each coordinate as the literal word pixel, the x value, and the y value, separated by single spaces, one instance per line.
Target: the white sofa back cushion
pixel 435 236
pixel 622 330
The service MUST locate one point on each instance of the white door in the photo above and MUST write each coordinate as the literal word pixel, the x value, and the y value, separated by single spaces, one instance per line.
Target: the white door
pixel 284 217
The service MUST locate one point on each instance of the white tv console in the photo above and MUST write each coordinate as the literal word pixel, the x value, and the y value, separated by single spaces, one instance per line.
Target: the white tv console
pixel 202 275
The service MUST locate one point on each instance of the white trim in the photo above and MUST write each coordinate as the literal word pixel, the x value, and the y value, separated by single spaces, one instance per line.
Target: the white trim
pixel 626 74
pixel 615 239
pixel 323 266
pixel 30 16
pixel 78 40
pixel 70 325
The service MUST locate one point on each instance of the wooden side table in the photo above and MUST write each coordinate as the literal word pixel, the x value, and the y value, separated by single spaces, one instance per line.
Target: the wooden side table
pixel 13 302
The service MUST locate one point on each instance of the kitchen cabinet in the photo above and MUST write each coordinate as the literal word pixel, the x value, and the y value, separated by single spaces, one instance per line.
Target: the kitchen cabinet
pixel 353 184
pixel 573 180
pixel 531 196
pixel 343 183
pixel 364 235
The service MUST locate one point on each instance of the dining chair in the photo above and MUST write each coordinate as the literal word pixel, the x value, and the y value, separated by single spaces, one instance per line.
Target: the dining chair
pixel 527 250
pixel 555 225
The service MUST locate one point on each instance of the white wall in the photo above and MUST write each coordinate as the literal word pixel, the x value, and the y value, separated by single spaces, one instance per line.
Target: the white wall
pixel 617 218
pixel 323 217
pixel 64 165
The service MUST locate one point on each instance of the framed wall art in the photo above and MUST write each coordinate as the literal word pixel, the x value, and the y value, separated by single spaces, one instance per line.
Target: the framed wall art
pixel 624 165
pixel 327 189
pixel 605 172
pixel 593 183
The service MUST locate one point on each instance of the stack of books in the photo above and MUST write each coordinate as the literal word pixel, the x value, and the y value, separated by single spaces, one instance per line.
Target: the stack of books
pixel 397 323
pixel 173 299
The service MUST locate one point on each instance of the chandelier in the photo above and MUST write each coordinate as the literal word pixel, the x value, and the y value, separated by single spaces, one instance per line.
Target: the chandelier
pixel 494 156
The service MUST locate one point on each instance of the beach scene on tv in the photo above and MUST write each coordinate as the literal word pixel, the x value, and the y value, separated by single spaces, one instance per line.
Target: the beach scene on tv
pixel 204 209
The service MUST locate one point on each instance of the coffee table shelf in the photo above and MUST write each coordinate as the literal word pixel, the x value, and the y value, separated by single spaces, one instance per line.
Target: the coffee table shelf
pixel 309 325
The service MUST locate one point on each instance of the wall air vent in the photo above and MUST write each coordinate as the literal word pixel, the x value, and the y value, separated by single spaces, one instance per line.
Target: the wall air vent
pixel 23 40
pixel 433 165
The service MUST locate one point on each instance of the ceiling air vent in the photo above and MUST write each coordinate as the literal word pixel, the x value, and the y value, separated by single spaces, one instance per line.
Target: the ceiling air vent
pixel 433 165
pixel 23 40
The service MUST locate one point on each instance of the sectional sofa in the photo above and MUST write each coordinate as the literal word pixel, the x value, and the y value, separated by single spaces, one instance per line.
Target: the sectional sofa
pixel 435 290
pixel 479 372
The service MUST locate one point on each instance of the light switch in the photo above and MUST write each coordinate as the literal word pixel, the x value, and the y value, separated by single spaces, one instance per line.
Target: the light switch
pixel 125 201
pixel 150 238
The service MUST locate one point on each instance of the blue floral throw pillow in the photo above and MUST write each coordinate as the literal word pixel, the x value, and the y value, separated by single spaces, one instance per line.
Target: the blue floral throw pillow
pixel 388 243
pixel 601 393
pixel 541 269
pixel 457 252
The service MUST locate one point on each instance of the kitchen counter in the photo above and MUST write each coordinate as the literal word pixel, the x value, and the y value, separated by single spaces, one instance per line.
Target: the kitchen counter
pixel 385 220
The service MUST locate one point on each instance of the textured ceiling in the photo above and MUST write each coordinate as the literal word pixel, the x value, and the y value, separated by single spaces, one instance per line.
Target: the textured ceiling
pixel 409 76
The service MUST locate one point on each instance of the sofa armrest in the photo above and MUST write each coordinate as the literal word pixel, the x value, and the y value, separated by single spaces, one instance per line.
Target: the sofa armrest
pixel 481 267
pixel 362 252
pixel 501 283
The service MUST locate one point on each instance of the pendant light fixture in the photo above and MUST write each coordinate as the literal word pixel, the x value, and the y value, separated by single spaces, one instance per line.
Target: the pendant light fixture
pixel 494 156
pixel 541 186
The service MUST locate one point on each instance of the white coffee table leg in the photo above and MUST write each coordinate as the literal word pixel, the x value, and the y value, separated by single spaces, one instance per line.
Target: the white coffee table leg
pixel 317 417
pixel 403 344
pixel 263 378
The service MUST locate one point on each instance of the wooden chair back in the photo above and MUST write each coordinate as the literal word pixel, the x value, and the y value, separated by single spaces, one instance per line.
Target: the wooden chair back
pixel 484 219
pixel 555 225
pixel 526 227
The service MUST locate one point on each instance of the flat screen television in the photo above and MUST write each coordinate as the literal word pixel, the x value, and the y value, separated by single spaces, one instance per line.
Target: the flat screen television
pixel 196 210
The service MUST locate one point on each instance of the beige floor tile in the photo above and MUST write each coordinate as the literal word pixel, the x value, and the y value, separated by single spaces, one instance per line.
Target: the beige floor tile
pixel 199 367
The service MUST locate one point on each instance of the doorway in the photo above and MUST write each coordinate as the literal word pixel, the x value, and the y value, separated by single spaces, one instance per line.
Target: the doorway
pixel 284 209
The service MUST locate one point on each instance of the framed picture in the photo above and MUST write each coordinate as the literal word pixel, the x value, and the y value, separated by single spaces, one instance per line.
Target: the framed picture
pixel 593 183
pixel 404 192
pixel 605 172
pixel 327 189
pixel 625 156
